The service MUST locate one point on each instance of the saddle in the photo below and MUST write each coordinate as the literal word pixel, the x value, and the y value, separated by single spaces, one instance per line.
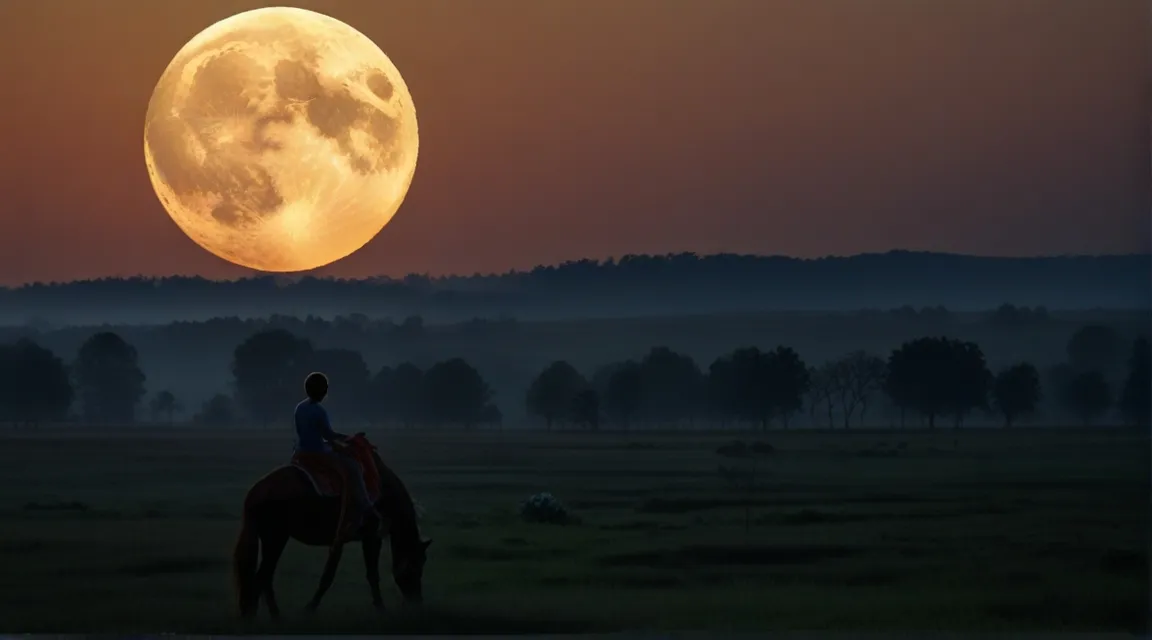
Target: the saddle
pixel 326 475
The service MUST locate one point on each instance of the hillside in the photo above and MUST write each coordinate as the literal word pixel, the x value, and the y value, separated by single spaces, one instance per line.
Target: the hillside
pixel 629 286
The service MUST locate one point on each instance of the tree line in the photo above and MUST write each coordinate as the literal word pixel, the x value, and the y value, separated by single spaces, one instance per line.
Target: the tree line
pixel 673 268
pixel 411 328
pixel 269 367
pixel 674 283
pixel 930 377
pixel 105 384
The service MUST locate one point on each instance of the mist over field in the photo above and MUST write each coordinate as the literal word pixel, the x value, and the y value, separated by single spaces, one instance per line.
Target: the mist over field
pixel 592 314
pixel 879 443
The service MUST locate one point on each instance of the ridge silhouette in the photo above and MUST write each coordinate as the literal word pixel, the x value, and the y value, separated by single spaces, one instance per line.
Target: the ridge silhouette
pixel 628 286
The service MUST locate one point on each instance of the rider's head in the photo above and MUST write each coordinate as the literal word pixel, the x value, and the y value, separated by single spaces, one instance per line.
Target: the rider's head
pixel 316 386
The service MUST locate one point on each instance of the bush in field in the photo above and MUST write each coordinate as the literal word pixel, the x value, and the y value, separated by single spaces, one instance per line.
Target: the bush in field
pixel 544 508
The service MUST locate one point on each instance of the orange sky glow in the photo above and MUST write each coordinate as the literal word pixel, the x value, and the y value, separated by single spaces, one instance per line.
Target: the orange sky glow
pixel 566 129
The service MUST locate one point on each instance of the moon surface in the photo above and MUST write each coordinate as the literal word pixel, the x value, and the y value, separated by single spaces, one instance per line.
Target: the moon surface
pixel 281 139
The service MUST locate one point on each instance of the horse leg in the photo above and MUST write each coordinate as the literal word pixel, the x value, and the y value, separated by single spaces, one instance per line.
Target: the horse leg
pixel 245 557
pixel 273 545
pixel 372 546
pixel 329 574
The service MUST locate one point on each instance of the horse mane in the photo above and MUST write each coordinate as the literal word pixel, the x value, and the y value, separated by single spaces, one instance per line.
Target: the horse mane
pixel 396 500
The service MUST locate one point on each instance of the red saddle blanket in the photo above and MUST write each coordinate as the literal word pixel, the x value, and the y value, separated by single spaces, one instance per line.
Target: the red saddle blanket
pixel 324 471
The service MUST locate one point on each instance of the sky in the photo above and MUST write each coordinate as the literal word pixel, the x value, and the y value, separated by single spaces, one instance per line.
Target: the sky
pixel 554 130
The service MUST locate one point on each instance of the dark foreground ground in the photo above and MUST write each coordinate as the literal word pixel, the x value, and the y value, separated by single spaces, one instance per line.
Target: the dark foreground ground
pixel 1035 530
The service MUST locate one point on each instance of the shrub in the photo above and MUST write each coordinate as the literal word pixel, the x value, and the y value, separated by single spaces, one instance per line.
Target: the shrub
pixel 544 508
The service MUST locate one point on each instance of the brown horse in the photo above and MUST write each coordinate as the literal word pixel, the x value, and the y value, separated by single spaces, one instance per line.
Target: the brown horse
pixel 284 504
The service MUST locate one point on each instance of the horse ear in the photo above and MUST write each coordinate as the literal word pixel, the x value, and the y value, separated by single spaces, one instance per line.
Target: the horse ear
pixel 427 543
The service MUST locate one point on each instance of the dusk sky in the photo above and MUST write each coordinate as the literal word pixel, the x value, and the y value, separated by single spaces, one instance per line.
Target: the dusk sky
pixel 554 130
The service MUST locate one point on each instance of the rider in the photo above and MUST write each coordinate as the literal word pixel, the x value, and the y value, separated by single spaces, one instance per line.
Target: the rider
pixel 314 435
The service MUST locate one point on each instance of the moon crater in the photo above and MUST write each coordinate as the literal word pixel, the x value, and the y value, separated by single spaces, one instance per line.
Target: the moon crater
pixel 281 139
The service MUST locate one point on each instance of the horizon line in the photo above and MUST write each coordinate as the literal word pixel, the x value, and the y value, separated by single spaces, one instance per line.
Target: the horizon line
pixel 297 276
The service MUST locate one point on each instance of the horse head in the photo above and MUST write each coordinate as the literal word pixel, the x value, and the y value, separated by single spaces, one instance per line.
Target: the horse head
pixel 408 562
pixel 409 548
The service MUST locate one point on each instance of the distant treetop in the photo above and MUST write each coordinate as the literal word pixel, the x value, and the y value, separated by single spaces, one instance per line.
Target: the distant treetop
pixel 673 265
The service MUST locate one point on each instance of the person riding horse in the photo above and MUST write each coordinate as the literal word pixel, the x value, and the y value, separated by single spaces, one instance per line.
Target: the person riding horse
pixel 316 440
pixel 287 503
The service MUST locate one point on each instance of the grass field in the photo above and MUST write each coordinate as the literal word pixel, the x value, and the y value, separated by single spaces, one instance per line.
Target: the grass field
pixel 1029 530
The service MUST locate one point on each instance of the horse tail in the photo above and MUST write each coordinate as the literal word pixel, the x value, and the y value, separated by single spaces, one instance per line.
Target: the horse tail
pixel 244 558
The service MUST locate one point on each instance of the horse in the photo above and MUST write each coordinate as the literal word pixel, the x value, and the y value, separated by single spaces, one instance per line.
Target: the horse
pixel 284 505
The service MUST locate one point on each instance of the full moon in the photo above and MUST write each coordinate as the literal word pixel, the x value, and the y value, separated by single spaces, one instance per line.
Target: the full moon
pixel 281 139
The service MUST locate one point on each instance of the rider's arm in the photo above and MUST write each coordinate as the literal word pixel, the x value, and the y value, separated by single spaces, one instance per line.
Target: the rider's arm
pixel 325 427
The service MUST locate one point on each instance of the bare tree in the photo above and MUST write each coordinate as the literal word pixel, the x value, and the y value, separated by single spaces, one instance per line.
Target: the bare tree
pixel 855 377
pixel 822 391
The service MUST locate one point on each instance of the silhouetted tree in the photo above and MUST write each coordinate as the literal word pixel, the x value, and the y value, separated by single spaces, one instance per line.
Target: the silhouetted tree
pixel 269 369
pixel 586 408
pixel 34 383
pixel 671 386
pixel 408 394
pixel 1016 391
pixel 750 379
pixel 762 385
pixel 349 383
pixel 788 382
pixel 1087 396
pixel 722 389
pixel 217 411
pixel 822 391
pixel 412 327
pixel 399 394
pixel 855 378
pixel 380 406
pixel 551 394
pixel 1094 347
pixel 455 392
pixel 164 404
pixel 971 380
pixel 936 376
pixel 601 376
pixel 351 324
pixel 1136 399
pixel 108 379
pixel 623 394
pixel 1005 315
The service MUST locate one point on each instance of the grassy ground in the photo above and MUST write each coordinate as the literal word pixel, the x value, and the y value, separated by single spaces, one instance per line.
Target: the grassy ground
pixel 1039 530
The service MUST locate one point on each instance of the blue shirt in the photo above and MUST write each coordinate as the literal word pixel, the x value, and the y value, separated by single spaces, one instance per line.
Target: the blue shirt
pixel 312 427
